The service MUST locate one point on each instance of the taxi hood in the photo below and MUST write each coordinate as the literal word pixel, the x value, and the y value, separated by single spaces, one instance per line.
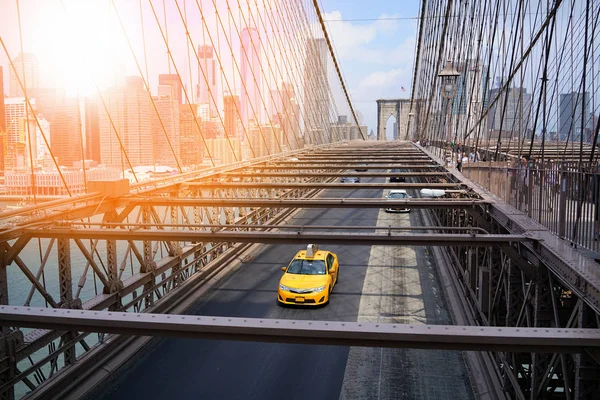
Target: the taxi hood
pixel 299 281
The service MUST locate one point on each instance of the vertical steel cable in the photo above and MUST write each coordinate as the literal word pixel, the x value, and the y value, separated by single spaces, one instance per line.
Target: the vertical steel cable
pixel 254 76
pixel 522 60
pixel 245 89
pixel 288 57
pixel 189 60
pixel 147 86
pixel 113 126
pixel 187 99
pixel 81 140
pixel 27 127
pixel 223 77
pixel 37 122
pixel 337 68
pixel 299 41
pixel 236 157
pixel 267 46
pixel 439 58
pixel 280 73
pixel 144 39
pixel 416 67
pixel 324 92
pixel 166 31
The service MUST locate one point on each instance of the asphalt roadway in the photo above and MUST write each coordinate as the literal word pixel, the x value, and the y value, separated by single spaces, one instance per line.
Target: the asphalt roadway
pixel 202 369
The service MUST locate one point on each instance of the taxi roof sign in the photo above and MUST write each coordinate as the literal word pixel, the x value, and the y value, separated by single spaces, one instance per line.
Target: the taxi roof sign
pixel 311 250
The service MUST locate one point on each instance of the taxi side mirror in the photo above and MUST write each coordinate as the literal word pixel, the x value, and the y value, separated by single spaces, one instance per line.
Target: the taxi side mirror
pixel 283 268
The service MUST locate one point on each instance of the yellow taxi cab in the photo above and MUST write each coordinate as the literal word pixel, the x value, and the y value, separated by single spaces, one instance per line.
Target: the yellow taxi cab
pixel 310 277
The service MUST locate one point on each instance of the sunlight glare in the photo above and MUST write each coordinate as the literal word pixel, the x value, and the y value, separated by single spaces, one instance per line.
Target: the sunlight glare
pixel 82 47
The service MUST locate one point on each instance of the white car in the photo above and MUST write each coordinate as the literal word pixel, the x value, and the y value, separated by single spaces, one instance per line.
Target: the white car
pixel 432 193
pixel 397 194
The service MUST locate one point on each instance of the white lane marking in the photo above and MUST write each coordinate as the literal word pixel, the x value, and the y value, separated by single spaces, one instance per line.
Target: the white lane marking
pixel 392 284
pixel 391 294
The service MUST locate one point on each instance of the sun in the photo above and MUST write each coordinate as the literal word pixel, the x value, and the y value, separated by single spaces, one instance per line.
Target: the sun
pixel 82 47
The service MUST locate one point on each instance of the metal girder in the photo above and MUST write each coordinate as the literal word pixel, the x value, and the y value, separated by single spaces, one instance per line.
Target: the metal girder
pixel 319 174
pixel 369 334
pixel 291 227
pixel 16 248
pixel 50 204
pixel 304 237
pixel 359 158
pixel 66 293
pixel 3 276
pixel 292 185
pixel 313 203
pixel 341 166
pixel 71 213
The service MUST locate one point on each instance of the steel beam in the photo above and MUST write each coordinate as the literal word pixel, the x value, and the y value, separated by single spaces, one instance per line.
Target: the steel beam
pixel 316 185
pixel 312 203
pixel 444 337
pixel 360 159
pixel 343 166
pixel 304 237
pixel 319 174
pixel 66 294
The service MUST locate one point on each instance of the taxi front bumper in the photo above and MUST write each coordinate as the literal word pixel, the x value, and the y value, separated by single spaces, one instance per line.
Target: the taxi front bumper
pixel 305 299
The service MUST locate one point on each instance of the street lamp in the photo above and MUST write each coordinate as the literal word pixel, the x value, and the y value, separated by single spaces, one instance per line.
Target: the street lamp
pixel 448 77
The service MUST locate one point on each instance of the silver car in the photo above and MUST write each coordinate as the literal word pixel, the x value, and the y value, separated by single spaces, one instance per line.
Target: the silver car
pixel 350 179
pixel 397 194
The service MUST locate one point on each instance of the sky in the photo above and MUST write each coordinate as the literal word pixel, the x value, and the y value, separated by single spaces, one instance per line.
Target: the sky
pixel 374 42
pixel 377 55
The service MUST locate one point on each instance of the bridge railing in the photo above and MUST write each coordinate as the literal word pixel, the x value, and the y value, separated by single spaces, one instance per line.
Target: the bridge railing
pixel 565 201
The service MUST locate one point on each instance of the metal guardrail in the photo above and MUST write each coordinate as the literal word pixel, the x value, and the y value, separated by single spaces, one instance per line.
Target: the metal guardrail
pixel 566 202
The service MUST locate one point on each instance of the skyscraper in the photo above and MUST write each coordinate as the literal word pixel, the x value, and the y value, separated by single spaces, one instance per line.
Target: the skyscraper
pixel 207 80
pixel 24 63
pixel 173 81
pixel 15 112
pixel 573 108
pixel 316 97
pixel 516 116
pixel 285 112
pixel 191 145
pixel 130 110
pixel 2 121
pixel 251 104
pixel 232 120
pixel 92 130
pixel 165 130
pixel 66 132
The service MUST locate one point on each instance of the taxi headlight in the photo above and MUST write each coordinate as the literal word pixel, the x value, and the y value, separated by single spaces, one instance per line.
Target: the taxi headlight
pixel 283 287
pixel 318 289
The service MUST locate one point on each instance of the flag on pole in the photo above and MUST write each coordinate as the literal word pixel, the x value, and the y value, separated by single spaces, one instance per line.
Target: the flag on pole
pixel 402 87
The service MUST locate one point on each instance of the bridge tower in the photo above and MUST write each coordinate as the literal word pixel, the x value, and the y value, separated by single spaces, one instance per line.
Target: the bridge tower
pixel 400 109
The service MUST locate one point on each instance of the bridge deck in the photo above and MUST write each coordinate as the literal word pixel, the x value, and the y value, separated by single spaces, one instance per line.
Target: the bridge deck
pixel 377 283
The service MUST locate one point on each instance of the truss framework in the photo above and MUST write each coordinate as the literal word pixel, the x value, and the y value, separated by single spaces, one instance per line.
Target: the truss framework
pixel 505 277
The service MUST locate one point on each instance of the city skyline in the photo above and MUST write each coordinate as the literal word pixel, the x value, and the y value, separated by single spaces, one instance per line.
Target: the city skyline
pixel 128 125
pixel 163 129
pixel 278 80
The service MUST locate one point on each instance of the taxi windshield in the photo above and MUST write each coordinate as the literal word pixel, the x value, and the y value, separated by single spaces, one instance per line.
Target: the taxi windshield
pixel 307 267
